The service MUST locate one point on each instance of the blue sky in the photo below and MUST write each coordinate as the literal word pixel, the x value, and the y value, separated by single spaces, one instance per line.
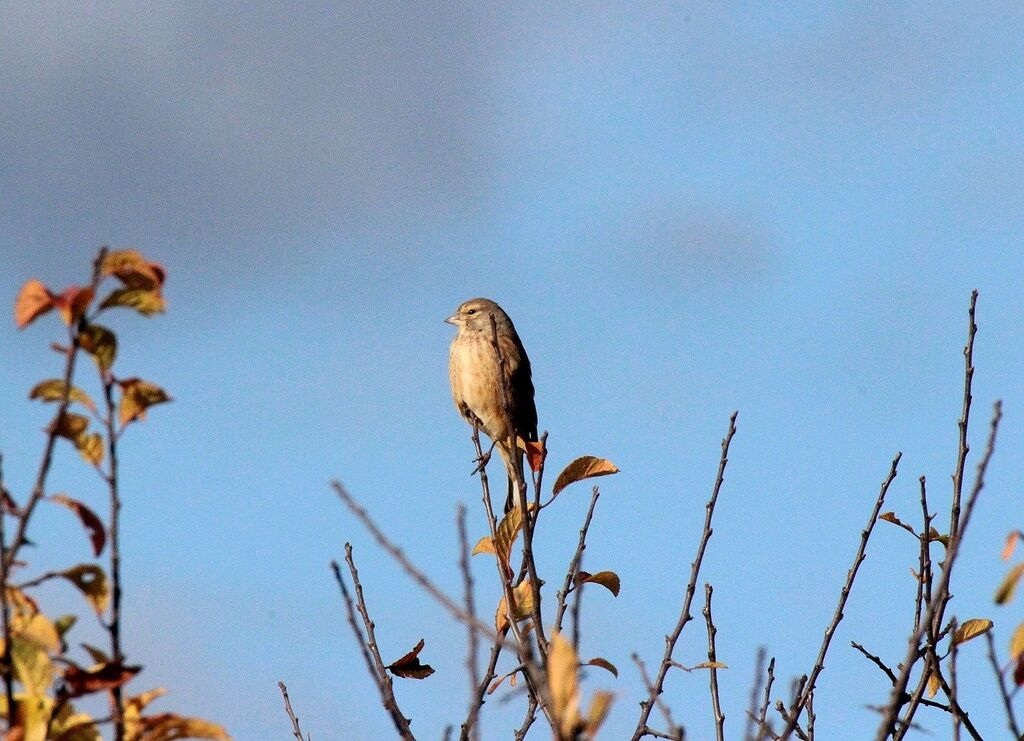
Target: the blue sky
pixel 685 209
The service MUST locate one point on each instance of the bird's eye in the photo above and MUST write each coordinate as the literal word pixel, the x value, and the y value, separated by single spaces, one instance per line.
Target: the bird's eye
pixel 471 311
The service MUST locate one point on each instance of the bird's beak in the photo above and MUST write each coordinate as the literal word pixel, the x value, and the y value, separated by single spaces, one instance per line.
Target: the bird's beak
pixel 453 319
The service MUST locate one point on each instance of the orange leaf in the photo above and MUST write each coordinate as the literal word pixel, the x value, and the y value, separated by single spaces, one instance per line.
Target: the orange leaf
pixel 1011 544
pixel 971 629
pixel 1009 584
pixel 484 545
pixel 92 523
pixel 409 666
pixel 103 677
pixel 33 300
pixel 1017 642
pixel 170 727
pixel 604 664
pixel 585 467
pixel 598 711
pixel 73 302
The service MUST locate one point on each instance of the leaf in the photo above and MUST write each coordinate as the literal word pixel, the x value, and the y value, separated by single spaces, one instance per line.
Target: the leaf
pixel 32 666
pixel 935 535
pixel 709 665
pixel 69 425
pixel 522 597
pixel 933 684
pixel 92 582
pixel 585 467
pixel 1011 544
pixel 409 666
pixel 54 390
pixel 99 342
pixel 72 303
pixel 64 623
pixel 535 454
pixel 607 579
pixel 138 703
pixel 604 664
pixel 505 536
pixel 98 655
pixel 90 521
pixel 1018 672
pixel 143 301
pixel 484 545
pixel 1017 642
pixel 101 677
pixel 33 301
pixel 131 268
pixel 68 725
pixel 137 396
pixel 563 684
pixel 38 630
pixel 598 711
pixel 891 517
pixel 1009 584
pixel 170 727
pixel 90 446
pixel 971 629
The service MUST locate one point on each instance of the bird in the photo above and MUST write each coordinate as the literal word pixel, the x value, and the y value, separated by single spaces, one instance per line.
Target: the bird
pixel 475 371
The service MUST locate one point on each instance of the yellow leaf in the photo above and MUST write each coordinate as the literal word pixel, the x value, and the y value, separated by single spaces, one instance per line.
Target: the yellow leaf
pixel 484 545
pixel 99 342
pixel 33 713
pixel 121 260
pixel 604 664
pixel 585 467
pixel 935 535
pixel 522 597
pixel 146 302
pixel 137 396
pixel 1017 643
pixel 563 684
pixel 33 301
pixel 607 579
pixel 90 446
pixel 92 582
pixel 933 685
pixel 53 390
pixel 32 666
pixel 38 630
pixel 506 534
pixel 971 629
pixel 1009 584
pixel 68 725
pixel 598 711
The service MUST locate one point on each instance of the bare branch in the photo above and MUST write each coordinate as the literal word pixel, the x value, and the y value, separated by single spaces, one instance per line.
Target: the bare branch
pixel 670 641
pixel 716 704
pixel 965 415
pixel 368 645
pixel 296 731
pixel 755 690
pixel 1004 693
pixel 819 665
pixel 675 730
pixel 574 564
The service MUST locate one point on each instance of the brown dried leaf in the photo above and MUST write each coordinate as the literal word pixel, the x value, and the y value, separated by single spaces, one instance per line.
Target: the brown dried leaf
pixel 116 260
pixel 409 666
pixel 585 467
pixel 99 342
pixel 709 665
pixel 971 629
pixel 891 517
pixel 607 579
pixel 170 727
pixel 91 582
pixel 102 677
pixel 90 521
pixel 505 536
pixel 137 396
pixel 604 664
pixel 933 684
pixel 98 655
pixel 1009 584
pixel 563 683
pixel 522 598
pixel 535 454
pixel 54 389
pixel 1018 672
pixel 90 446
pixel 69 425
pixel 33 301
pixel 143 301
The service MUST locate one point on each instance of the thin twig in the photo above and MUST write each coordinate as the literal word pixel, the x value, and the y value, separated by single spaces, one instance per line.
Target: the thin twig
pixel 1011 718
pixel 408 566
pixel 755 690
pixel 674 730
pixel 471 724
pixel 5 609
pixel 716 704
pixel 111 476
pixel 684 617
pixel 936 606
pixel 763 727
pixel 473 637
pixel 296 731
pixel 368 645
pixel 574 564
pixel 819 664
pixel 965 415
pixel 875 660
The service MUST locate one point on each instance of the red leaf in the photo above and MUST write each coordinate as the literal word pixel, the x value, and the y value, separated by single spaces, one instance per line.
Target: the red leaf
pixel 535 455
pixel 409 666
pixel 73 302
pixel 103 677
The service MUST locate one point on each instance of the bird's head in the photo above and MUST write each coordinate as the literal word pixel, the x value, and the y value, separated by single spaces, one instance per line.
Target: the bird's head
pixel 475 316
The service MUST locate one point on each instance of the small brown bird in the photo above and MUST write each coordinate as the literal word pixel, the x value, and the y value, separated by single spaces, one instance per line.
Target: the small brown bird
pixel 475 374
